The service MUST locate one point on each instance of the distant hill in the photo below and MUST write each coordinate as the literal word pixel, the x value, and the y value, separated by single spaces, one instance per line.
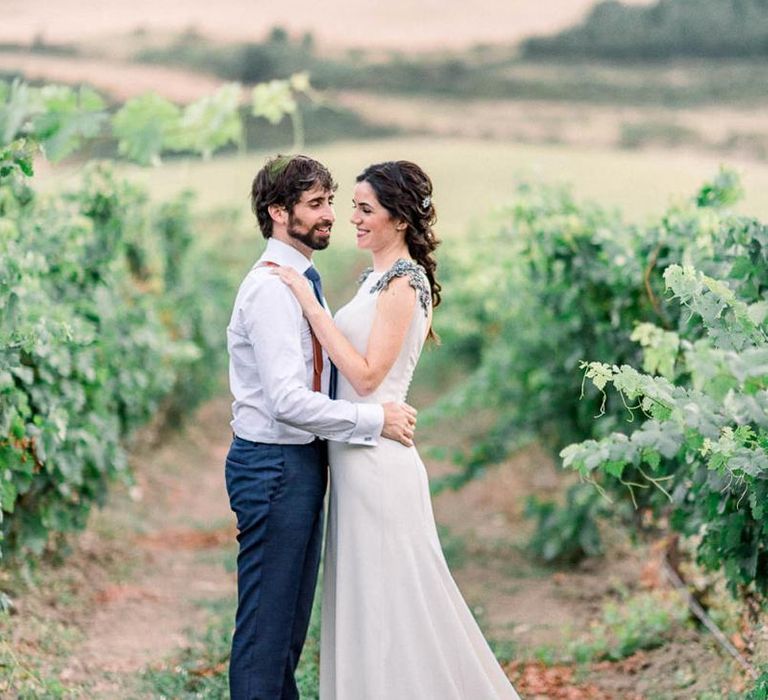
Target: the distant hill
pixel 666 29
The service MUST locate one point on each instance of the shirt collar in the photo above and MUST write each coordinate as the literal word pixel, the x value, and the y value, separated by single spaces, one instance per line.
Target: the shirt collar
pixel 283 254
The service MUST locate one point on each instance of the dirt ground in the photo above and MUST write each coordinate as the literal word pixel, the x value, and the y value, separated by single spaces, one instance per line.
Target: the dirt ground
pixel 410 25
pixel 536 607
pixel 152 559
pixel 174 527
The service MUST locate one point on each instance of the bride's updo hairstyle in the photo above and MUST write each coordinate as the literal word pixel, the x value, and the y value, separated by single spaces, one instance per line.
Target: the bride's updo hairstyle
pixel 405 191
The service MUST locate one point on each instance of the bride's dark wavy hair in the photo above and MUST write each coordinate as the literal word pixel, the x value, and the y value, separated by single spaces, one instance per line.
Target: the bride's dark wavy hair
pixel 405 191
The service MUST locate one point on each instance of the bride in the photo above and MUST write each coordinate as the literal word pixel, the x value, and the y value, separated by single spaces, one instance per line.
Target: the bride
pixel 394 624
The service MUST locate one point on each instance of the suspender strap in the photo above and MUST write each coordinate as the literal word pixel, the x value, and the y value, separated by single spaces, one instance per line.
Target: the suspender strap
pixel 317 361
pixel 317 350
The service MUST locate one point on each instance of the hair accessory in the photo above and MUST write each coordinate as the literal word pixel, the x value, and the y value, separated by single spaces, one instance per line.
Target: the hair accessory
pixel 426 202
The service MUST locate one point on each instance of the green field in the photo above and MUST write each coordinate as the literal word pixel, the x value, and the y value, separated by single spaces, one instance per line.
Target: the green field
pixel 474 177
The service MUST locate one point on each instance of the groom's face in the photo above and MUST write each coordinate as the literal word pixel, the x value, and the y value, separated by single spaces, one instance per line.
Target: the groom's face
pixel 311 219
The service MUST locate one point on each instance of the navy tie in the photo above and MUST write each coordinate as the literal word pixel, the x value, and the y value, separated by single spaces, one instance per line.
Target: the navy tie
pixel 314 277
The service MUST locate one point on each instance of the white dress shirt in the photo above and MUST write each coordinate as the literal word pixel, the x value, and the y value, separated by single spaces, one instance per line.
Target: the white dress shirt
pixel 271 369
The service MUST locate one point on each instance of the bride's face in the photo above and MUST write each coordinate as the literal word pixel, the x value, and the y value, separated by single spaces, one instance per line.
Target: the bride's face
pixel 376 229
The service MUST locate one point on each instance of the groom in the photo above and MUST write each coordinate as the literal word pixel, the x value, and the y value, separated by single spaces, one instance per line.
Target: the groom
pixel 276 466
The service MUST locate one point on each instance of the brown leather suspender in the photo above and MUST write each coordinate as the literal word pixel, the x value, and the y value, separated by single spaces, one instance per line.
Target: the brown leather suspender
pixel 317 350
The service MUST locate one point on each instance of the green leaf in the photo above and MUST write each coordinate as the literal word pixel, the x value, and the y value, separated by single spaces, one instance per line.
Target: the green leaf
pixel 67 118
pixel 614 468
pixel 8 492
pixel 273 100
pixel 18 157
pixel 651 458
pixel 144 126
pixel 210 123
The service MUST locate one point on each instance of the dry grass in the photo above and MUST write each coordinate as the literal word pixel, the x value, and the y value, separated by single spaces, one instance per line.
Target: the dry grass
pixel 473 177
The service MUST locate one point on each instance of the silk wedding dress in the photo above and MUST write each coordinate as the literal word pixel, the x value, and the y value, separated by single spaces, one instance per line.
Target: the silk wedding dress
pixel 394 624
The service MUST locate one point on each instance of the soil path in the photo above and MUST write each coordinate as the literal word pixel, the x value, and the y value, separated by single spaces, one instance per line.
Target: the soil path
pixel 177 531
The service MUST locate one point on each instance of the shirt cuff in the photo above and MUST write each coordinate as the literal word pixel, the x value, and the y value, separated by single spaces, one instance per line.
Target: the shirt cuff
pixel 370 423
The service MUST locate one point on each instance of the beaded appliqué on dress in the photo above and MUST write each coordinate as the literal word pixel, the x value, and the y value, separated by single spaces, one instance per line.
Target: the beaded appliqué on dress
pixel 364 275
pixel 416 277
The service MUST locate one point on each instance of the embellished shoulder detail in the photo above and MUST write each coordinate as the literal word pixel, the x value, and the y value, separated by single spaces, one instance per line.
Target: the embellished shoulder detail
pixel 364 275
pixel 417 278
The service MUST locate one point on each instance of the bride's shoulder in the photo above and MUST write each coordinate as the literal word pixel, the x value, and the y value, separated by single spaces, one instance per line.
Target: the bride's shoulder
pixel 417 278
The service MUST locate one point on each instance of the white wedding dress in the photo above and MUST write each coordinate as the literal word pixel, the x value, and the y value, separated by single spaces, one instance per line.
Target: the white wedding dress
pixel 394 624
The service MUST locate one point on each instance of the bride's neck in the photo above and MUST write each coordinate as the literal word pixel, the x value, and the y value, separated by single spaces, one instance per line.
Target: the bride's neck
pixel 384 259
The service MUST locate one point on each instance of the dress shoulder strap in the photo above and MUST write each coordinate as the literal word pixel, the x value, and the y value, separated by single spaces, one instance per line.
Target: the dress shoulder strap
pixel 364 275
pixel 417 278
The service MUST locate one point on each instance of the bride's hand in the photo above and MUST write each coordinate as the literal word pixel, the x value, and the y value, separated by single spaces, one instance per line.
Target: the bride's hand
pixel 300 286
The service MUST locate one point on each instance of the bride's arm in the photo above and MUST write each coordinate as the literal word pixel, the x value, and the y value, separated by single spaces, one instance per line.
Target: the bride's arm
pixel 394 310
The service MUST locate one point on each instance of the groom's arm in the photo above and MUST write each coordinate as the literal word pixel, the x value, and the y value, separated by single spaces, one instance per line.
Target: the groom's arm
pixel 272 318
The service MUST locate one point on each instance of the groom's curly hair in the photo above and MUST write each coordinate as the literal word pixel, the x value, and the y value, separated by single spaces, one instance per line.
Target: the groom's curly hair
pixel 281 181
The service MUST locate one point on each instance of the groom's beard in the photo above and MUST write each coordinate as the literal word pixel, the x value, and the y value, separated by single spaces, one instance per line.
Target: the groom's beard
pixel 297 229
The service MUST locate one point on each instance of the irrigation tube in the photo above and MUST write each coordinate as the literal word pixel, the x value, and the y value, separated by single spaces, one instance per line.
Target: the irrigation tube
pixel 695 607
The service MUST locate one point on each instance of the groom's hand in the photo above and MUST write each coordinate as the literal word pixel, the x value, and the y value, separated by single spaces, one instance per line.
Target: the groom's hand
pixel 399 422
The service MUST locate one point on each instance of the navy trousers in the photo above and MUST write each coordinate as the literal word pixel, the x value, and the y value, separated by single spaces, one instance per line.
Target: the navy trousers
pixel 277 493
